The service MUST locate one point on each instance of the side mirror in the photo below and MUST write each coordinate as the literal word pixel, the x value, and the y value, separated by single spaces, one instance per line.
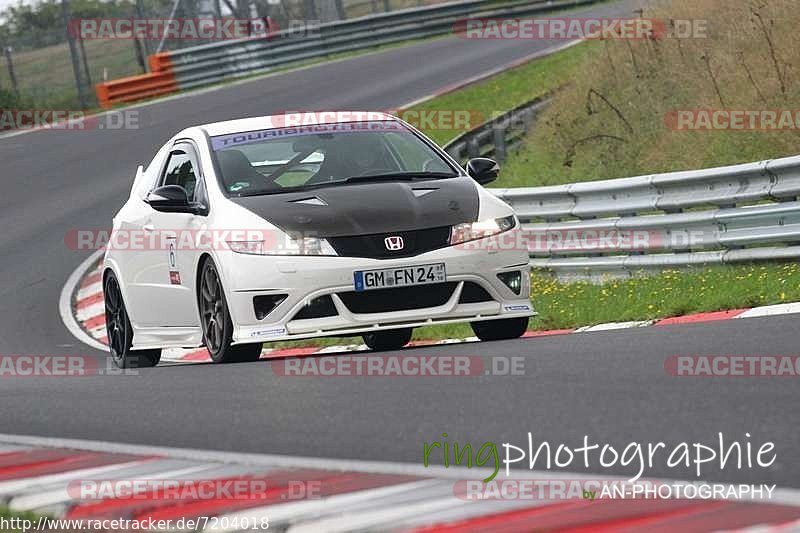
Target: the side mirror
pixel 170 199
pixel 483 170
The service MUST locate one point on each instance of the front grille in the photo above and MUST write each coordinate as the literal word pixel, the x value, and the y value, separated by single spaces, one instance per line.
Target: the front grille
pixel 373 246
pixel 398 298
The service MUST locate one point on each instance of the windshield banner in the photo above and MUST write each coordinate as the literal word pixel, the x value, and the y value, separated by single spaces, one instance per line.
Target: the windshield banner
pixel 224 142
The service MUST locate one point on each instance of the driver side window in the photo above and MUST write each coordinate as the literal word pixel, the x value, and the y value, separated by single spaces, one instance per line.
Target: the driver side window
pixel 180 171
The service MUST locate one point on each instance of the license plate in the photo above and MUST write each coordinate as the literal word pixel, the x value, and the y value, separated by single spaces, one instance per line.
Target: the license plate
pixel 366 280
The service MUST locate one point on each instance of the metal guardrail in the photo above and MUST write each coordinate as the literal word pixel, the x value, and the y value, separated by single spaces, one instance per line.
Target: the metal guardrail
pixel 729 214
pixel 498 136
pixel 215 62
pixel 617 227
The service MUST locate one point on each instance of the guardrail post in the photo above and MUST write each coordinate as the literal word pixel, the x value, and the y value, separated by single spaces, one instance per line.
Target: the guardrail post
pixel 499 140
pixel 140 15
pixel 11 73
pixel 73 52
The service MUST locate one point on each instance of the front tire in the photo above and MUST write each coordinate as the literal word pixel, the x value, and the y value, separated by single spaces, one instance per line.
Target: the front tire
pixel 216 321
pixel 120 332
pixel 392 339
pixel 496 330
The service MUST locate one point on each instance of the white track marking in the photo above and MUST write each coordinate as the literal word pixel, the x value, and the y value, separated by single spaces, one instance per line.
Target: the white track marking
pixel 99 332
pixel 42 499
pixel 455 341
pixel 612 326
pixel 375 500
pixel 21 485
pixel 65 303
pixel 283 512
pixel 789 527
pixel 89 290
pixel 10 448
pixel 474 510
pixel 90 311
pixel 343 348
pixel 388 517
pixel 771 310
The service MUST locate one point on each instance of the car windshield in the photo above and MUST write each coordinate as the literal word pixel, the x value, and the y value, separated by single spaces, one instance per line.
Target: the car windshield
pixel 292 159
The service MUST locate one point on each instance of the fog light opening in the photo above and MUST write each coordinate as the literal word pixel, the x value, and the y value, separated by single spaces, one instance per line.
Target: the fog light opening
pixel 512 280
pixel 263 305
pixel 319 307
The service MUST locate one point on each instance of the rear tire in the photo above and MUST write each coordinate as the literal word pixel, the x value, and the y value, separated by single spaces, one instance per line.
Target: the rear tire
pixel 119 331
pixel 216 321
pixel 496 330
pixel 392 339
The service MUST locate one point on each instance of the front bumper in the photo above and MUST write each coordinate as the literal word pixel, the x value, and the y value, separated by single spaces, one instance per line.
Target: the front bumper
pixel 302 279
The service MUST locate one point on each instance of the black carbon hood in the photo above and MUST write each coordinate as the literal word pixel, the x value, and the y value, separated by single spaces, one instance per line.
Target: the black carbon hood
pixel 369 208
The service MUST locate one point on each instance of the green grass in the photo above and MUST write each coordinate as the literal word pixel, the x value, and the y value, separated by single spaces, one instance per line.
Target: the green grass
pixel 669 293
pixel 46 79
pixel 505 91
pixel 580 137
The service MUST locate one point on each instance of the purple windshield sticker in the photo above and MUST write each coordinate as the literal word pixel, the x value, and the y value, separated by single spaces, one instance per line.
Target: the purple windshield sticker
pixel 239 139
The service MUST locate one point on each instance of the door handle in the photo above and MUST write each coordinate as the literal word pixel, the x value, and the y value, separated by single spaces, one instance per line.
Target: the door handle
pixel 149 227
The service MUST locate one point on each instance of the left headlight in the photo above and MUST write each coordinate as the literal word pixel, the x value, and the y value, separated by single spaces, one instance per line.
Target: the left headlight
pixel 471 231
pixel 286 246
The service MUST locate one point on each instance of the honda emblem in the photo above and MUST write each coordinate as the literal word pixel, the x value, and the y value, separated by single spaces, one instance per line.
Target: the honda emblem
pixel 394 243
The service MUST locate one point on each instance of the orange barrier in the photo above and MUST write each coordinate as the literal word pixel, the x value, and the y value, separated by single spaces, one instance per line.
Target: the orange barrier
pixel 156 83
pixel 160 62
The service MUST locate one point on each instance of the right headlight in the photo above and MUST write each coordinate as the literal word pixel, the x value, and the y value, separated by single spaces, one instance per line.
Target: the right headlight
pixel 472 231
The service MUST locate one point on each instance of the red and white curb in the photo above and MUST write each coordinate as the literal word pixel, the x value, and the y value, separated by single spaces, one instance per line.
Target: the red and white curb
pixel 82 303
pixel 49 477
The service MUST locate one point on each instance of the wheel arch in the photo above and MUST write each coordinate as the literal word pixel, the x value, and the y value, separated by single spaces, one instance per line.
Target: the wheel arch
pixel 201 262
pixel 108 269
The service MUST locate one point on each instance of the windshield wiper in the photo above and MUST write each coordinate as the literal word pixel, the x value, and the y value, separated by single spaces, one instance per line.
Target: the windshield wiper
pixel 394 176
pixel 400 176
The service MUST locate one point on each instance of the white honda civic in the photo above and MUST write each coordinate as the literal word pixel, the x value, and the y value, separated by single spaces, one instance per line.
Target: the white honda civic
pixel 257 230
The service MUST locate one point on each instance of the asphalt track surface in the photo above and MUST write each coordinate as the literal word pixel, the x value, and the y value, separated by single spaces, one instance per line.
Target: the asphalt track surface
pixel 611 386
